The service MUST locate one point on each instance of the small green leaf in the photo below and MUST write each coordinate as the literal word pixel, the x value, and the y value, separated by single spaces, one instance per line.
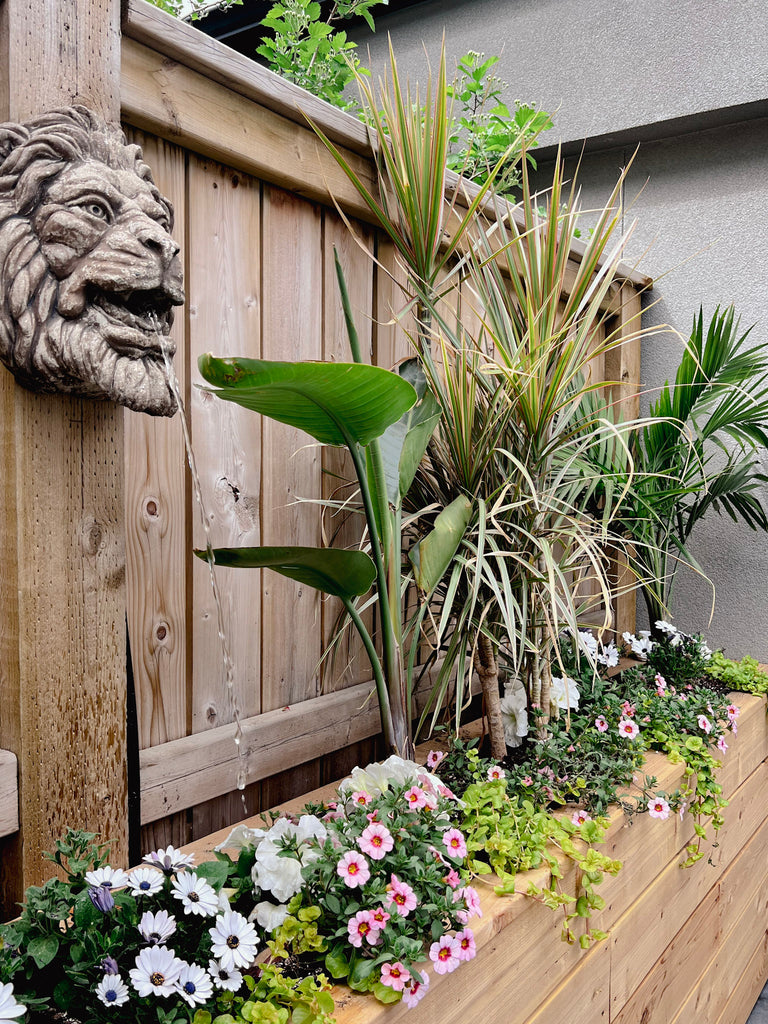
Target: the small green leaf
pixel 385 993
pixel 336 963
pixel 43 949
pixel 215 872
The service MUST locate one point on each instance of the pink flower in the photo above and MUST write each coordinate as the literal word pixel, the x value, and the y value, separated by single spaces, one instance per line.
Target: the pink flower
pixel 379 916
pixel 472 901
pixel 376 841
pixel 415 991
pixel 455 843
pixel 373 815
pixel 402 896
pixel 395 975
pixel 434 757
pixel 658 808
pixel 579 817
pixel 354 869
pixel 722 745
pixel 661 684
pixel 362 926
pixel 446 793
pixel 571 748
pixel 628 709
pixel 495 772
pixel 683 807
pixel 430 802
pixel 361 797
pixel 415 798
pixel 733 712
pixel 601 724
pixel 704 723
pixel 527 781
pixel 444 954
pixel 452 878
pixel 465 942
pixel 628 728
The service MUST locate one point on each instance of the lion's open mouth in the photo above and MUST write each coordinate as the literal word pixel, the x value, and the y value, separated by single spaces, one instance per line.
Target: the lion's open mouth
pixel 134 319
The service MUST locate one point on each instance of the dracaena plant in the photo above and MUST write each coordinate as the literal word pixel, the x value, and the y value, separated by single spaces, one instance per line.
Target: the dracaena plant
pixel 385 424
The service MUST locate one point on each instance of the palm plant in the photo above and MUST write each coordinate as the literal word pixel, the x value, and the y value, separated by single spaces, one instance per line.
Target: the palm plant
pixel 698 453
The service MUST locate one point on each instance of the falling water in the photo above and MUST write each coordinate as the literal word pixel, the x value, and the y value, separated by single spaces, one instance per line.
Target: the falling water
pixel 229 668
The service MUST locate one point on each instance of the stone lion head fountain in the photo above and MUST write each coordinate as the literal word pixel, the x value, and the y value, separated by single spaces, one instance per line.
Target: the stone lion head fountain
pixel 89 273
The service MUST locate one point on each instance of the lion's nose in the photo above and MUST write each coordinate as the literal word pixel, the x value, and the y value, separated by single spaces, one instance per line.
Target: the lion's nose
pixel 159 242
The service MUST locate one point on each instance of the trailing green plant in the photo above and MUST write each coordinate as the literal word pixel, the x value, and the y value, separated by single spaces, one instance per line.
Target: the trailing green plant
pixel 275 998
pixel 485 131
pixel 506 836
pixel 745 676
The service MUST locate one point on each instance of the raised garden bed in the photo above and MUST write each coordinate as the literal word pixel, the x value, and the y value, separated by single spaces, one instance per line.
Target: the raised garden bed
pixel 683 945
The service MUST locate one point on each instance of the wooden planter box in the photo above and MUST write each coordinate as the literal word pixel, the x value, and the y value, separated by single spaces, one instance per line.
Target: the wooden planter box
pixel 683 946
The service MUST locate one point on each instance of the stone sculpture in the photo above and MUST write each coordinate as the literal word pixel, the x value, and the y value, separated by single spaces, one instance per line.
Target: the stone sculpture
pixel 88 269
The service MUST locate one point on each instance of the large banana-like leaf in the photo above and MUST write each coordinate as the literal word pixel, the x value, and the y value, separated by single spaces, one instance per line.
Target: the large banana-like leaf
pixel 344 574
pixel 403 443
pixel 432 555
pixel 337 403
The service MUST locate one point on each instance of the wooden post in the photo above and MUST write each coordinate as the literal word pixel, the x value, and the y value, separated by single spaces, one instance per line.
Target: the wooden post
pixel 62 588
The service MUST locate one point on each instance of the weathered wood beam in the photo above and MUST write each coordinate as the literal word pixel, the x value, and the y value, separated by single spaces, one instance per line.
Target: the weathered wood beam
pixel 62 648
pixel 9 793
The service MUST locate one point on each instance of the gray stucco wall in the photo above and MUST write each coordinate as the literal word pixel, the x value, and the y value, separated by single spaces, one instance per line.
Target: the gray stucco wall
pixel 689 81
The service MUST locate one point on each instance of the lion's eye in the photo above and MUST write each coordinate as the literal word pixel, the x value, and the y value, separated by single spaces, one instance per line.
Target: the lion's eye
pixel 95 208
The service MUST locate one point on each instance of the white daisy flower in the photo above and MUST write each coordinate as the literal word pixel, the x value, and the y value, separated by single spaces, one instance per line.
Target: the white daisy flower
pixel 587 642
pixel 112 878
pixel 9 1008
pixel 666 627
pixel 196 895
pixel 170 859
pixel 145 881
pixel 234 940
pixel 156 972
pixel 223 978
pixel 112 990
pixel 194 984
pixel 157 928
pixel 609 656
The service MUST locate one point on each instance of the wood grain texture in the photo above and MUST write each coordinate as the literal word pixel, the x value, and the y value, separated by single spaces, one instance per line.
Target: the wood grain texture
pixel 67 679
pixel 9 793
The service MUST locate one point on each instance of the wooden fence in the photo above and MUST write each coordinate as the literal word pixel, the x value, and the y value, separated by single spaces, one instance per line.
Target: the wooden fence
pixel 228 143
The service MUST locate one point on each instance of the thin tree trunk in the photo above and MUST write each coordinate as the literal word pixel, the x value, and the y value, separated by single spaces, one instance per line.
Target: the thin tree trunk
pixel 487 669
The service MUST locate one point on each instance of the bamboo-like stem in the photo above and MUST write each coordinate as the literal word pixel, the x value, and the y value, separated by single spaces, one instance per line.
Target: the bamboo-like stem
pixel 487 669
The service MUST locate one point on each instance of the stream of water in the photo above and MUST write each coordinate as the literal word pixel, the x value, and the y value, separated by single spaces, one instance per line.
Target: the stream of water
pixel 229 668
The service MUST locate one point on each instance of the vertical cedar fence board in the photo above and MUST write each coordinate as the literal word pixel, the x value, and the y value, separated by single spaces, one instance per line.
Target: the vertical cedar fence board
pixel 230 145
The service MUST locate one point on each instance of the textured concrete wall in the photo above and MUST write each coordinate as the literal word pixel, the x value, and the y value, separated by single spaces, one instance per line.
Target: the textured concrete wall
pixel 689 80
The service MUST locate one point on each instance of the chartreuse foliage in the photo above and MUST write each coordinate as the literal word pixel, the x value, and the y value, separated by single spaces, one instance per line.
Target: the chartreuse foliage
pixel 275 999
pixel 745 675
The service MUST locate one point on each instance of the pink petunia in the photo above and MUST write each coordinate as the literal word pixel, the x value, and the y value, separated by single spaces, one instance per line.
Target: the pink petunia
pixel 353 868
pixel 495 772
pixel 452 879
pixel 376 841
pixel 444 954
pixel 628 728
pixel 415 798
pixel 415 991
pixel 434 757
pixel 527 781
pixel 472 901
pixel 661 684
pixel 361 797
pixel 628 709
pixel 704 724
pixel 601 724
pixel 380 916
pixel 401 896
pixel 658 808
pixel 733 712
pixel 579 817
pixel 465 945
pixel 455 844
pixel 446 793
pixel 363 927
pixel 396 976
pixel 722 746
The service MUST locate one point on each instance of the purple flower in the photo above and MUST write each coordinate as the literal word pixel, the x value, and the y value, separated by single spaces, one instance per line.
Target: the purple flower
pixel 101 898
pixel 109 965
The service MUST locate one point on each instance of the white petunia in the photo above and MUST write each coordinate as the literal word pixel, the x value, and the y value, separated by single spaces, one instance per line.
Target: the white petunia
pixel 112 990
pixel 145 881
pixel 269 915
pixel 170 859
pixel 242 837
pixel 196 895
pixel 9 1008
pixel 156 972
pixel 223 978
pixel 564 692
pixel 234 941
pixel 514 713
pixel 157 928
pixel 113 878
pixel 375 778
pixel 194 985
pixel 281 875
